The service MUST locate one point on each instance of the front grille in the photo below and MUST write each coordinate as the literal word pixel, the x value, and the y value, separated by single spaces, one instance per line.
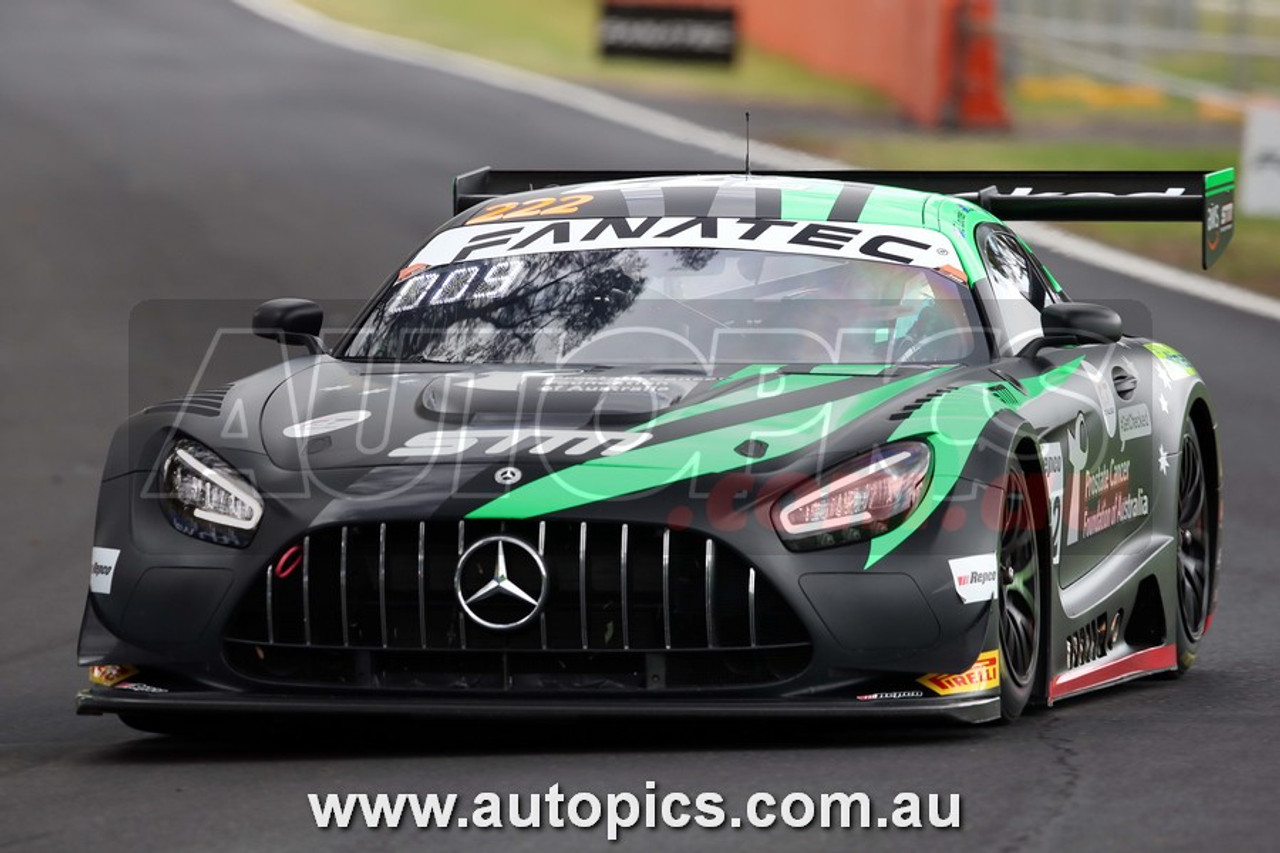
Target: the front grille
pixel 628 607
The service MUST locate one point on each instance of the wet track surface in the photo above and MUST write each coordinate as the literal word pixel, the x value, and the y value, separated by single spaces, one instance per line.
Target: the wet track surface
pixel 157 149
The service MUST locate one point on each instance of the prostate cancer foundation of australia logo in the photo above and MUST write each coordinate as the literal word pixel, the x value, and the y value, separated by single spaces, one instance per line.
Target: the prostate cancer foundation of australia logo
pixel 501 583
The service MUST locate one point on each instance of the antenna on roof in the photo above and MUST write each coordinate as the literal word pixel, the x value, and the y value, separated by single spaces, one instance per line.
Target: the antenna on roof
pixel 748 164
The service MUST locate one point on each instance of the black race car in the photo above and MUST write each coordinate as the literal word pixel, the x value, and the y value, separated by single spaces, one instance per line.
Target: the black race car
pixel 623 443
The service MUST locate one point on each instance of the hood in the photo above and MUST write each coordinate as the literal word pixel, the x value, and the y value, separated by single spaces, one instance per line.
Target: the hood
pixel 342 415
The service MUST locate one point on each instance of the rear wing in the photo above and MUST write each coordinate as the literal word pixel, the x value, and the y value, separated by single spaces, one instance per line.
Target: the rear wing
pixel 1155 196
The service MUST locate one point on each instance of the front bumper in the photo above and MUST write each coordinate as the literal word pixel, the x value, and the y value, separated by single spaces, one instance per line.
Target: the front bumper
pixel 873 633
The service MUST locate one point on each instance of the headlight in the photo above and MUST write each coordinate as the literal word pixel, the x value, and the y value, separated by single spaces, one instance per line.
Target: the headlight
pixel 858 500
pixel 206 498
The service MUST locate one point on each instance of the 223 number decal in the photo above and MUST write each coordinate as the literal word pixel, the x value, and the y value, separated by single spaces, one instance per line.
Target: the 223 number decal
pixel 561 206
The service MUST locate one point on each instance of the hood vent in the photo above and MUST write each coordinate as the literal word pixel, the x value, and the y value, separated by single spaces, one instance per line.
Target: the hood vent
pixel 907 410
pixel 206 403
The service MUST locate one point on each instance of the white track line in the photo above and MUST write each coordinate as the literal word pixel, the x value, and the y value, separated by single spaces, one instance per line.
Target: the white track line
pixel 666 126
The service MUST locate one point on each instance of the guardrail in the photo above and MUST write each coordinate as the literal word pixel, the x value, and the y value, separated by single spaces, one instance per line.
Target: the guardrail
pixel 1221 52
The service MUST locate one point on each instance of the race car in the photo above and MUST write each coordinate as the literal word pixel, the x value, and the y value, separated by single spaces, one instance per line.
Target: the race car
pixel 680 444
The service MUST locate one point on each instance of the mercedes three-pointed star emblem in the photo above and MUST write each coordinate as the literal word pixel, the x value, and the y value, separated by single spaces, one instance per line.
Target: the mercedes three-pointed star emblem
pixel 501 583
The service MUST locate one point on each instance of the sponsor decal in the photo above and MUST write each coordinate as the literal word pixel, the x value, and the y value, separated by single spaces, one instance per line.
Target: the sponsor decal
pixel 103 569
pixel 582 384
pixel 109 675
pixel 675 31
pixel 1093 641
pixel 548 206
pixel 1134 422
pixel 884 243
pixel 1030 192
pixel 1219 218
pixel 1106 395
pixel 1171 357
pixel 139 687
pixel 892 694
pixel 539 442
pixel 1108 498
pixel 1055 480
pixel 975 577
pixel 1078 456
pixel 327 423
pixel 507 476
pixel 983 675
pixel 1164 460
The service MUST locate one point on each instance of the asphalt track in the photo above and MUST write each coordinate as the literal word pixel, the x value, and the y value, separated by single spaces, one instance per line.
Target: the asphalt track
pixel 186 150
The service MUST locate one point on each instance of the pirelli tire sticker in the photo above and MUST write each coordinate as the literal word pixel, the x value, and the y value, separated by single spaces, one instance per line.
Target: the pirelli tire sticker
pixel 983 675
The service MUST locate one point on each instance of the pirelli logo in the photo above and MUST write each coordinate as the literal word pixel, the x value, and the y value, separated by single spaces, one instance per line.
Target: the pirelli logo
pixel 983 675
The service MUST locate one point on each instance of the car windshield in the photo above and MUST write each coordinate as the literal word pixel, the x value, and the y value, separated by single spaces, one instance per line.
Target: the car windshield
pixel 656 306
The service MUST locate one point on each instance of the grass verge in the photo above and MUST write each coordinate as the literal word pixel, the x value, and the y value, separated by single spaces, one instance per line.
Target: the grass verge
pixel 558 37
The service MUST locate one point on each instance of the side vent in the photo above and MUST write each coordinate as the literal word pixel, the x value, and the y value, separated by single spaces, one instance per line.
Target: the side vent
pixel 1006 396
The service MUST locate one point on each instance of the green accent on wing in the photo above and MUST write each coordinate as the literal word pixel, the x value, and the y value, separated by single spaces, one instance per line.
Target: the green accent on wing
pixel 893 206
pixel 711 452
pixel 813 203
pixel 1223 180
pixel 767 388
pixel 749 370
pixel 956 220
pixel 952 424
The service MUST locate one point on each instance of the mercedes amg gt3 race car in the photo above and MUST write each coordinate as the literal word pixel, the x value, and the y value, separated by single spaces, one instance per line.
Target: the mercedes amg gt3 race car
pixel 681 444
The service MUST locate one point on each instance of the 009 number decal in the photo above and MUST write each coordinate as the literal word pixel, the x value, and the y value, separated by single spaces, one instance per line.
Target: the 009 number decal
pixel 561 206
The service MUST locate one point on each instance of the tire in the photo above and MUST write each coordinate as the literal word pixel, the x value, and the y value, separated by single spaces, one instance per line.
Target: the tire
pixel 1020 593
pixel 1195 554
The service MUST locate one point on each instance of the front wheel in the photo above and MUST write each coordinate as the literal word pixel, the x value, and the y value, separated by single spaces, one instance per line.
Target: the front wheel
pixel 1019 595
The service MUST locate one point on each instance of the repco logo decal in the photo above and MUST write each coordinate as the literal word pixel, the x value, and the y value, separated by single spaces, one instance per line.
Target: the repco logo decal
pixel 975 577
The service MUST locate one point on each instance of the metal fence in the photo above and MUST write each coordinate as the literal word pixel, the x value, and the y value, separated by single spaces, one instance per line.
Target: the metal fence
pixel 1217 51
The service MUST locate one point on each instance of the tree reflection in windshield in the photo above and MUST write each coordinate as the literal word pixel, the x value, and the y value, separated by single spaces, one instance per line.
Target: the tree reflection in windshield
pixel 547 304
pixel 669 305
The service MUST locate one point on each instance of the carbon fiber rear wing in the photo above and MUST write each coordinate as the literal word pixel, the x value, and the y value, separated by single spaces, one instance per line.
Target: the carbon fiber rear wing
pixel 1155 196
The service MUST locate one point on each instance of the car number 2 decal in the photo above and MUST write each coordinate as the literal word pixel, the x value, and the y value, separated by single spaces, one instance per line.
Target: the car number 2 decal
pixel 1051 453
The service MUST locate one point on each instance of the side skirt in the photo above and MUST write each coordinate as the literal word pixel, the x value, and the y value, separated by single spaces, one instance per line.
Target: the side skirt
pixel 1104 673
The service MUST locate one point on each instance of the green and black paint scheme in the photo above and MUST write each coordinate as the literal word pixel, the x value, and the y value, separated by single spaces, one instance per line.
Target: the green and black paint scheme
pixel 1097 430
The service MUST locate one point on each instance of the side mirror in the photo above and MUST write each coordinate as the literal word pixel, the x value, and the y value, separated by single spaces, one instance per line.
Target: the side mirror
pixel 1067 323
pixel 296 322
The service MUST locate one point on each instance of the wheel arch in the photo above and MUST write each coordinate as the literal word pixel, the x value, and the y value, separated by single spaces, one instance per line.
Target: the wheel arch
pixel 1026 452
pixel 1201 417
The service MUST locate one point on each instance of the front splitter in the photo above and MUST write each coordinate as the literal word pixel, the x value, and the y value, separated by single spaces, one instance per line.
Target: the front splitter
pixel 95 701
